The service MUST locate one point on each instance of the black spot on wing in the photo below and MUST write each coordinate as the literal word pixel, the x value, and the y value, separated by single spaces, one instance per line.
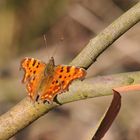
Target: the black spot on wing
pixel 34 62
pixel 37 65
pixel 68 69
pixel 61 70
pixel 33 78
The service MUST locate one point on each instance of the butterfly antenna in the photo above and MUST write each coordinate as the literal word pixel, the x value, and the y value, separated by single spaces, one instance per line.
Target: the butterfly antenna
pixel 61 39
pixel 45 40
pixel 53 52
pixel 55 48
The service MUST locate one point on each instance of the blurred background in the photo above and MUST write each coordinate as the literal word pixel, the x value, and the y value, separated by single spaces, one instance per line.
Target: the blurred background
pixel 68 26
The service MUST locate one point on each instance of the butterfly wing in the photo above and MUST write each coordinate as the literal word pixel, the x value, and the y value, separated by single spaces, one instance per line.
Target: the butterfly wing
pixel 60 81
pixel 34 72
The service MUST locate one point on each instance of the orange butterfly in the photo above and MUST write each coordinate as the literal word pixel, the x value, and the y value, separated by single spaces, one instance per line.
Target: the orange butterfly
pixel 44 81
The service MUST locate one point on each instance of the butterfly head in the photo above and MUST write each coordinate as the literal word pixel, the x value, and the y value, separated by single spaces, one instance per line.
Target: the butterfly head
pixel 50 67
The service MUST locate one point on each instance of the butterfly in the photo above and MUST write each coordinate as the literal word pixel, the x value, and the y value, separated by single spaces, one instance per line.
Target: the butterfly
pixel 46 80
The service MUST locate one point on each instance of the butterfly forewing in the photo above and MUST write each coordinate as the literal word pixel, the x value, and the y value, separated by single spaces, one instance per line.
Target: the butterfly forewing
pixel 34 72
pixel 62 77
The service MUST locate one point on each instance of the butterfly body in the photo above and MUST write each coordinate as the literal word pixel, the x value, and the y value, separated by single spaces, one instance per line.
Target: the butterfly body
pixel 44 81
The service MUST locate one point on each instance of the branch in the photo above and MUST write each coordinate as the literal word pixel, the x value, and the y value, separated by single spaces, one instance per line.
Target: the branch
pixel 102 41
pixel 26 112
